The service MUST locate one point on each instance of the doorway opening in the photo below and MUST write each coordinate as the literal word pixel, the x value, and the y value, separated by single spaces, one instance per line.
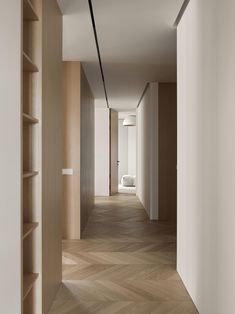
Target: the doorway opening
pixel 127 152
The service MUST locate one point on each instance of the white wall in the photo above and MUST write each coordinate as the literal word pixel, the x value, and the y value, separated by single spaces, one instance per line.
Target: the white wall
pixel 132 150
pixel 206 154
pixel 147 151
pixel 101 152
pixel 10 163
pixel 122 149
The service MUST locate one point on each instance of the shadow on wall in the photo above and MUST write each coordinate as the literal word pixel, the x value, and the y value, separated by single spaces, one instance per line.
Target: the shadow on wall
pixel 157 151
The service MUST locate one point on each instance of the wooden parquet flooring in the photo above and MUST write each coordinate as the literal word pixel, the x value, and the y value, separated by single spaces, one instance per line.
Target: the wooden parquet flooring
pixel 124 265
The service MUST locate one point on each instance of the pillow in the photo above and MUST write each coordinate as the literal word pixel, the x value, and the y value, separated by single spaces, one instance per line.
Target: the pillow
pixel 127 180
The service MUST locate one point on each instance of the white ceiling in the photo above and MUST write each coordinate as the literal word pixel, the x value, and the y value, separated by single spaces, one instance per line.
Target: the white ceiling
pixel 137 43
pixel 124 114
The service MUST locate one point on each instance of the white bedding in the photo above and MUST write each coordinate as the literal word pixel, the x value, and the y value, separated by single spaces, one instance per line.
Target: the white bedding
pixel 127 189
pixel 128 180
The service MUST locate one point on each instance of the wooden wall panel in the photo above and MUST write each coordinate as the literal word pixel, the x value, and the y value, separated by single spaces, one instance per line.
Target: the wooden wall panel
pixel 52 151
pixel 78 150
pixel 167 151
pixel 71 149
pixel 87 151
pixel 113 152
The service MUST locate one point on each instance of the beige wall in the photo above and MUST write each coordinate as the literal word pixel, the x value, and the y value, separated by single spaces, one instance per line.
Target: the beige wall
pixel 226 155
pixel 78 150
pixel 52 151
pixel 10 161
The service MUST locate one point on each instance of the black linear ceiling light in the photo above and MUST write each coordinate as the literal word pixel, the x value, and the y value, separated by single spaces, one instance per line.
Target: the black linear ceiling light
pixel 98 49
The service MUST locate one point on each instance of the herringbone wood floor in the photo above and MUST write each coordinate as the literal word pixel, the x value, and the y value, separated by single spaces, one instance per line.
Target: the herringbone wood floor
pixel 125 264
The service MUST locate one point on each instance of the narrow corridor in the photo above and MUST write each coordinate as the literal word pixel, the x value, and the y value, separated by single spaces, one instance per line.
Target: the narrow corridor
pixel 125 264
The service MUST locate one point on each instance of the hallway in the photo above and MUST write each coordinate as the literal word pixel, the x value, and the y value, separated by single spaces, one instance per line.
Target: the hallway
pixel 125 264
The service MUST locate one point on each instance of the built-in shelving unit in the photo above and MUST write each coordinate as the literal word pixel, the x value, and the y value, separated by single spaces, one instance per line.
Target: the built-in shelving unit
pixel 31 152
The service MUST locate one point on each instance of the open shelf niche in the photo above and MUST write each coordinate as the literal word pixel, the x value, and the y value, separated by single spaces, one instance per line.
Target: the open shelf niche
pixel 31 151
pixel 28 282
pixel 28 228
pixel 29 11
pixel 28 64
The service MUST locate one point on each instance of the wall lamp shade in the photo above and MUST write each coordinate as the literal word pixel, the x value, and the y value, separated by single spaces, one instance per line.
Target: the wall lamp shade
pixel 130 121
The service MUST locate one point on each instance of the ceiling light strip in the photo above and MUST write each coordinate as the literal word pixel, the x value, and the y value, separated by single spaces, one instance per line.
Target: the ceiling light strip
pixel 181 12
pixel 142 96
pixel 98 49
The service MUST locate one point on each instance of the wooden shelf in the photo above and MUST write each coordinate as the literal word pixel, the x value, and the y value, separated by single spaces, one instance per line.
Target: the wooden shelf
pixel 28 65
pixel 29 174
pixel 29 12
pixel 28 228
pixel 28 282
pixel 29 119
pixel 31 147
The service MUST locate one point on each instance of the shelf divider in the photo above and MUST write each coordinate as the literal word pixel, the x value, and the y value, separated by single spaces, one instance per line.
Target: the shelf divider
pixel 29 119
pixel 29 174
pixel 28 282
